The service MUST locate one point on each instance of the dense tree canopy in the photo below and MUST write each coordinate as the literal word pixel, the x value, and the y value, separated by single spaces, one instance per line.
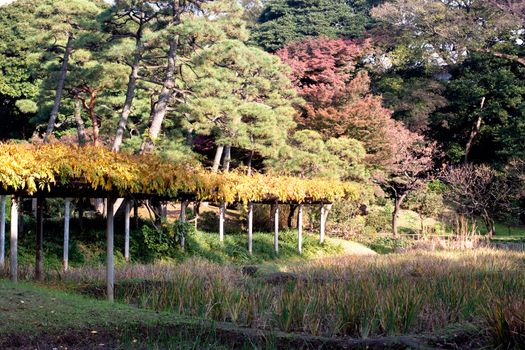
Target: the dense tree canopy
pixel 486 107
pixel 288 21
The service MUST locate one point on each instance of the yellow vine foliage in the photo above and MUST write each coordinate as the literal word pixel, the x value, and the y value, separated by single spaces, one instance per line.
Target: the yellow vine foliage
pixel 32 168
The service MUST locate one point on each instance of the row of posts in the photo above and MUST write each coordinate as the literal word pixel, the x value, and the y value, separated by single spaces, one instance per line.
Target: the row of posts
pixel 110 234
pixel 222 214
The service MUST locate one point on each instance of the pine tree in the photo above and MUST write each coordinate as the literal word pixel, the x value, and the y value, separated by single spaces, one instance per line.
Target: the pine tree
pixel 242 96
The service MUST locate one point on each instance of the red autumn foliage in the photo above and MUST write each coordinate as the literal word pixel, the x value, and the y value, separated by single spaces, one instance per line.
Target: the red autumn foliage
pixel 339 101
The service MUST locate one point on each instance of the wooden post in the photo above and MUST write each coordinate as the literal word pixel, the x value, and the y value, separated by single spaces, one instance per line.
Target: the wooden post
pixel 110 269
pixel 222 210
pixel 67 214
pixel 13 248
pixel 300 228
pixel 126 230
pixel 250 226
pixel 2 231
pixel 183 206
pixel 39 251
pixel 276 228
pixel 323 223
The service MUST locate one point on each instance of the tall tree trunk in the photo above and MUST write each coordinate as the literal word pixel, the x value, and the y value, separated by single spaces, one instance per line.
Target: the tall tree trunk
pixel 159 112
pixel 489 224
pixel 397 206
pixel 474 132
pixel 81 133
pixel 227 158
pixel 130 93
pixel 60 88
pixel 217 160
pixel 94 118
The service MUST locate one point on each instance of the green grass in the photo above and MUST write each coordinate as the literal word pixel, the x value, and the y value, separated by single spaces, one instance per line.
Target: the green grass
pixel 234 249
pixel 409 223
pixel 31 314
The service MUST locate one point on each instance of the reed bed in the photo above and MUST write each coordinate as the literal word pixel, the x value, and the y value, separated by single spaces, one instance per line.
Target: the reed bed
pixel 347 296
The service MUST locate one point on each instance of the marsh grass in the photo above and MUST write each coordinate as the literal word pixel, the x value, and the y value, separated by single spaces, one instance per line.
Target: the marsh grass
pixel 347 296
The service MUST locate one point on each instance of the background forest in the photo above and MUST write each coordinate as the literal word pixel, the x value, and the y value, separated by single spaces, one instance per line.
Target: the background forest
pixel 420 102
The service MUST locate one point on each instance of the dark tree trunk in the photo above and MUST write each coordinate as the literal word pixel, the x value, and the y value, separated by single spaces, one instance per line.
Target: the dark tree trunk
pixel 397 206
pixel 489 224
pixel 136 214
pixel 474 132
pixel 60 88
pixel 289 221
pixel 80 207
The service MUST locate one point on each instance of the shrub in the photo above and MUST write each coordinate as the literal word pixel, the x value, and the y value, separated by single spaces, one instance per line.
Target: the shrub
pixel 379 219
pixel 165 241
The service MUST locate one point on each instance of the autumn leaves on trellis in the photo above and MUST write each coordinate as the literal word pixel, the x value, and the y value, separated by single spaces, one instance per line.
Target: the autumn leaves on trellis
pixel 32 168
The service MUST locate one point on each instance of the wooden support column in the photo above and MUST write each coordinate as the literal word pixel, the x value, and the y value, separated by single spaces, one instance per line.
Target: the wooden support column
pixel 323 224
pixel 13 247
pixel 276 228
pixel 300 228
pixel 39 249
pixel 67 215
pixel 222 212
pixel 2 231
pixel 126 229
pixel 250 227
pixel 110 268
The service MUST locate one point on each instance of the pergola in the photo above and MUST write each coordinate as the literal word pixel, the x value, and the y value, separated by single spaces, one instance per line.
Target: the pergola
pixel 62 171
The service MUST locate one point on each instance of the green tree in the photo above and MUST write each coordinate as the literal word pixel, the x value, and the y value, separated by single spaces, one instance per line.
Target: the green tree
pixel 287 21
pixel 308 155
pixel 242 96
pixel 19 73
pixel 188 25
pixel 64 25
pixel 485 118
pixel 131 25
pixel 427 202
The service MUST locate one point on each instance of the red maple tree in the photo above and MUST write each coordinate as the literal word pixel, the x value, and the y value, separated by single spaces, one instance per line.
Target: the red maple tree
pixel 337 93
